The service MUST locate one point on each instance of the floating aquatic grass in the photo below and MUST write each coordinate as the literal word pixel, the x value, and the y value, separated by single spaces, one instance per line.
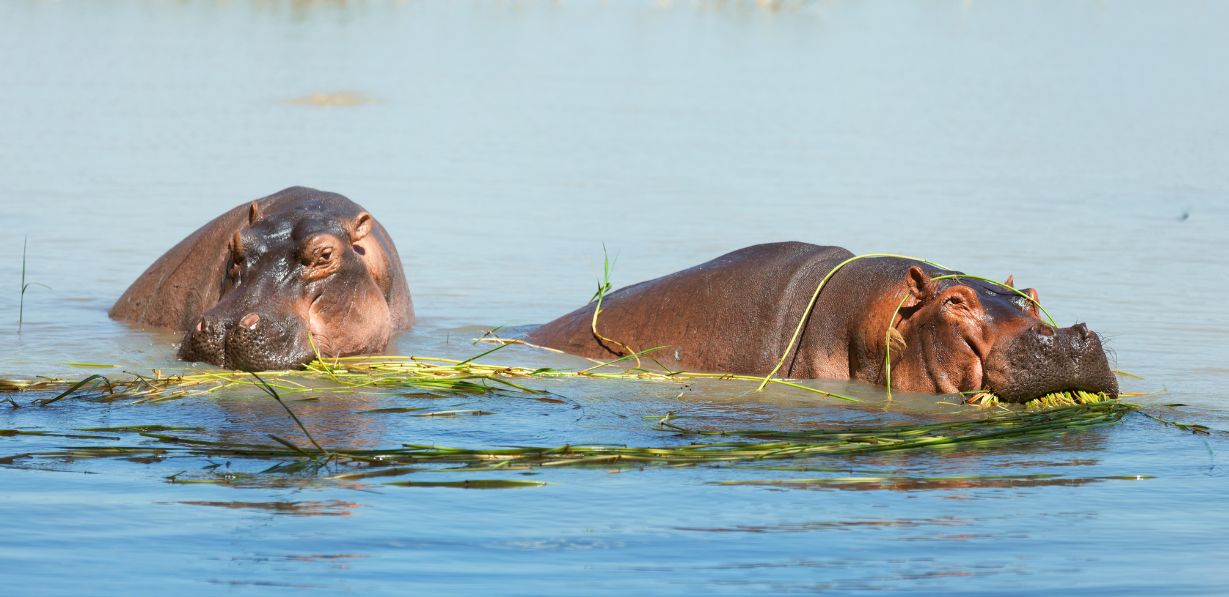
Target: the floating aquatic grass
pixel 705 447
pixel 155 443
pixel 371 374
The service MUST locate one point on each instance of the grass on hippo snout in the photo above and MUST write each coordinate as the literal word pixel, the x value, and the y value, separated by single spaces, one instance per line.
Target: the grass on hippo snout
pixel 985 398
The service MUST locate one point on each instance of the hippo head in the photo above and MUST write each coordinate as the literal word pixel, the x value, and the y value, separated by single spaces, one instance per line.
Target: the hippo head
pixel 316 270
pixel 964 335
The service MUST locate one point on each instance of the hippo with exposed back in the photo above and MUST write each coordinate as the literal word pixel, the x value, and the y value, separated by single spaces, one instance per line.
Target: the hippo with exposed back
pixel 258 286
pixel 738 312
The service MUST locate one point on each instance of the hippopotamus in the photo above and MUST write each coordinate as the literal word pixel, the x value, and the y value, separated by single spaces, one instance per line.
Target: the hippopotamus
pixel 738 313
pixel 272 282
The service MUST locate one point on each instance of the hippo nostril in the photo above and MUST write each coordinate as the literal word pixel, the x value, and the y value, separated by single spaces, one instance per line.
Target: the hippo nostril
pixel 1081 329
pixel 250 320
pixel 1042 329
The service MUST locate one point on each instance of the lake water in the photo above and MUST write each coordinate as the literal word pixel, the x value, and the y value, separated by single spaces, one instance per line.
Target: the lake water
pixel 1081 146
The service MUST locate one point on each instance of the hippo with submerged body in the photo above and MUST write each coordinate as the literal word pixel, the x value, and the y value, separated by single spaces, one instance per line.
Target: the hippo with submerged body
pixel 248 287
pixel 738 313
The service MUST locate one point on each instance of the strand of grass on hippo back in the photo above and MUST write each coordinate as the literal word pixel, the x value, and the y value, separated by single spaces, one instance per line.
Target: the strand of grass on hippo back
pixel 604 286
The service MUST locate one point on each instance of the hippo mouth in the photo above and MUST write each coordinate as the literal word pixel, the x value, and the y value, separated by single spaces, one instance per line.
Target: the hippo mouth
pixel 317 339
pixel 251 344
pixel 1047 365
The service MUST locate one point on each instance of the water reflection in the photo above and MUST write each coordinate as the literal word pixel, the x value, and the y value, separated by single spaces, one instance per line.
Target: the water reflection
pixel 830 525
pixel 304 508
pixel 928 483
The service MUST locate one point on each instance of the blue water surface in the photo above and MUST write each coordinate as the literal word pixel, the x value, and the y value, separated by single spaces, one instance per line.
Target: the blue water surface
pixel 1082 147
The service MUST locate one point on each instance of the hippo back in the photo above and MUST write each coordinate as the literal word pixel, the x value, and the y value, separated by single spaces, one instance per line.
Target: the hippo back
pixel 733 314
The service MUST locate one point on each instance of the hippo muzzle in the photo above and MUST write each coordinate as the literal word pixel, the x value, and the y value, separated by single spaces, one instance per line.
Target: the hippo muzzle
pixel 250 342
pixel 1043 360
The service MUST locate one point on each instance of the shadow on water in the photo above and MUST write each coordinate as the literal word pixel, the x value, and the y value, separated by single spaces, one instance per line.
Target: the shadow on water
pixel 304 508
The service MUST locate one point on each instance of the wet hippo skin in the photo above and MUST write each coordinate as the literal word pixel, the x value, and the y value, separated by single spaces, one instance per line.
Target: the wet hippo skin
pixel 737 313
pixel 248 287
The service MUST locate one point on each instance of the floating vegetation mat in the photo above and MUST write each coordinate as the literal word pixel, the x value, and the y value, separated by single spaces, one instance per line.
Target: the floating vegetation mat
pixel 432 377
pixel 374 374
pixel 369 374
pixel 703 447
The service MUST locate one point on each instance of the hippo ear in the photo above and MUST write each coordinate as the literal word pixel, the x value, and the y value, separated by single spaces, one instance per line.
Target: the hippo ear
pixel 1033 305
pixel 361 227
pixel 1010 282
pixel 919 286
pixel 236 246
pixel 254 213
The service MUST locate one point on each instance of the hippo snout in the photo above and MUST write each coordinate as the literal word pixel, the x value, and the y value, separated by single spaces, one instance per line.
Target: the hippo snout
pixel 251 342
pixel 1044 360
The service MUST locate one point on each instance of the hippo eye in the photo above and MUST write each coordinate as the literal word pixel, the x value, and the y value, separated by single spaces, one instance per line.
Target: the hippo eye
pixel 319 255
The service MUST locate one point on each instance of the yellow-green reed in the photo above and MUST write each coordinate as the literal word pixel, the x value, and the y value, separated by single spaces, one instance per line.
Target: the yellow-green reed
pixel 806 313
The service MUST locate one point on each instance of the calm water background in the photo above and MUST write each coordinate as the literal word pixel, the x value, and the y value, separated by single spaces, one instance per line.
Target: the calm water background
pixel 1082 147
